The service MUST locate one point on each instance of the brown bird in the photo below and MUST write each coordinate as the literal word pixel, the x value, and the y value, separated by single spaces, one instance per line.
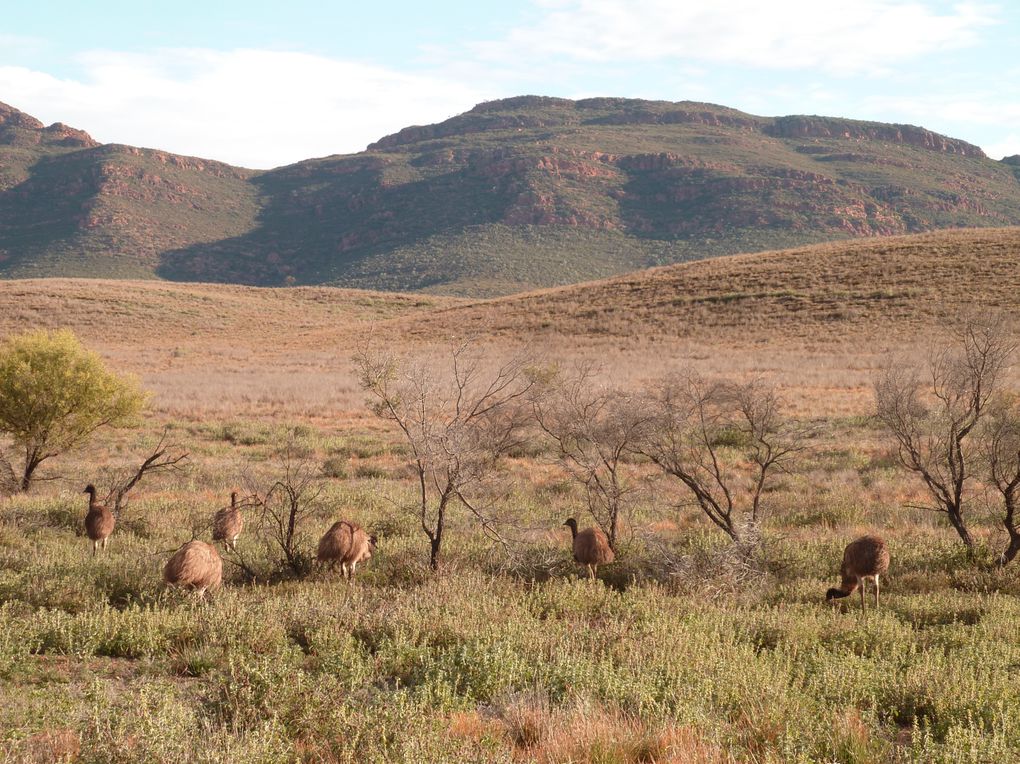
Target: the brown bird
pixel 591 547
pixel 99 520
pixel 196 565
pixel 227 523
pixel 347 544
pixel 866 557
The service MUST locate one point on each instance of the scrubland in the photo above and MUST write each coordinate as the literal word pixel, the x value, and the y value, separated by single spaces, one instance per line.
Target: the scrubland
pixel 681 652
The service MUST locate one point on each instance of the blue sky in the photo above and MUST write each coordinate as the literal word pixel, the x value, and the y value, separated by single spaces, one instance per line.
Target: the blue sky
pixel 262 84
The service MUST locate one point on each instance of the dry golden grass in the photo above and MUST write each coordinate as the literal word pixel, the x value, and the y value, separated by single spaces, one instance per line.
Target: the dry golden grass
pixel 817 296
pixel 818 320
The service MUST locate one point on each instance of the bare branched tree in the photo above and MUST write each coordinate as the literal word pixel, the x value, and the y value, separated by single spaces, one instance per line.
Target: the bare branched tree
pixel 723 442
pixel 998 439
pixel 458 420
pixel 595 429
pixel 284 501
pixel 932 413
pixel 165 456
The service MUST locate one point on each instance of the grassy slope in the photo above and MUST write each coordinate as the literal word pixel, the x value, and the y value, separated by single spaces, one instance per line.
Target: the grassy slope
pixel 818 320
pixel 892 287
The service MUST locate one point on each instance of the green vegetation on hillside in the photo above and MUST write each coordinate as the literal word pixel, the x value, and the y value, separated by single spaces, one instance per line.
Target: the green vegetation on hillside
pixel 513 194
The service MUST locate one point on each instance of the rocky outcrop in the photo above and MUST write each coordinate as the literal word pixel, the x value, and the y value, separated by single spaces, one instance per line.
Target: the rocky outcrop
pixel 11 117
pixel 827 127
pixel 20 129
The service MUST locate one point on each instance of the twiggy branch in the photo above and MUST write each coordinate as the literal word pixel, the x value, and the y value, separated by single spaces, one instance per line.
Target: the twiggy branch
pixel 166 456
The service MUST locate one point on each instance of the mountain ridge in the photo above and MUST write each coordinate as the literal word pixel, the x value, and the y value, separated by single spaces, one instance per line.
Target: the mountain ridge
pixel 514 194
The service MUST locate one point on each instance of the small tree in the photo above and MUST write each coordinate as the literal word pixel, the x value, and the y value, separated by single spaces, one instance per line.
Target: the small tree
pixel 998 440
pixel 54 394
pixel 932 414
pixel 595 429
pixel 457 421
pixel 723 442
pixel 284 501
pixel 165 456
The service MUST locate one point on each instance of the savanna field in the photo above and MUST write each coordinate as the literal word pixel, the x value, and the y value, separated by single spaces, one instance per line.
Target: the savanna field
pixel 683 650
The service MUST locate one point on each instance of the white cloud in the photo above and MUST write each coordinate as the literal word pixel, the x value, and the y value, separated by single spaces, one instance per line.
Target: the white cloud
pixel 262 108
pixel 253 108
pixel 959 114
pixel 1008 146
pixel 844 37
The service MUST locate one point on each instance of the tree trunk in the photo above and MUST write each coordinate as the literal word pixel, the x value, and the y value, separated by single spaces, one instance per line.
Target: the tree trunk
pixel 434 553
pixel 31 462
pixel 1012 549
pixel 1014 535
pixel 956 519
pixel 437 536
pixel 731 531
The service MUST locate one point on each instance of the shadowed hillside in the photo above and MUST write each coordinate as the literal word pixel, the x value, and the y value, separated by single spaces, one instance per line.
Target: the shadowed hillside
pixel 515 194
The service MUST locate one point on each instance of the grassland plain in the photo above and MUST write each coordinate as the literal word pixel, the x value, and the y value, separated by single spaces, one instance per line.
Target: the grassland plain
pixel 678 654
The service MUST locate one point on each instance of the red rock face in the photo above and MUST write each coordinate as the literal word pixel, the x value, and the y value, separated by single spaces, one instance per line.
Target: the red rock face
pixel 19 129
pixel 11 117
pixel 823 127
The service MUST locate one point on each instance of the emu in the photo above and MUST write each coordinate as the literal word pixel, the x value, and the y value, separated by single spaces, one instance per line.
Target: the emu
pixel 866 557
pixel 196 565
pixel 227 523
pixel 591 547
pixel 347 544
pixel 99 521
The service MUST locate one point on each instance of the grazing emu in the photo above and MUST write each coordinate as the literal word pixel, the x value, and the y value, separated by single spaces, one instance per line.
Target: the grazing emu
pixel 591 547
pixel 227 523
pixel 866 557
pixel 347 544
pixel 196 565
pixel 99 521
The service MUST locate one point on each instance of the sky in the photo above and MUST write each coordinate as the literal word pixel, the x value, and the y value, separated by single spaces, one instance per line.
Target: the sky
pixel 263 84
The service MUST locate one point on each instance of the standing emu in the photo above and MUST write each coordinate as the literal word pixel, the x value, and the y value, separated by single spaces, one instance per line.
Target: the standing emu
pixel 866 557
pixel 347 544
pixel 99 521
pixel 591 547
pixel 196 565
pixel 227 523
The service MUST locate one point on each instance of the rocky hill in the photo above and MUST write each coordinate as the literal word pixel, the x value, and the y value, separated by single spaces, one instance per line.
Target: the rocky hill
pixel 514 194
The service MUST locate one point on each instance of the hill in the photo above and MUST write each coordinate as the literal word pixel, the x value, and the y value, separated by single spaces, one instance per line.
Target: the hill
pixel 816 319
pixel 515 194
pixel 886 290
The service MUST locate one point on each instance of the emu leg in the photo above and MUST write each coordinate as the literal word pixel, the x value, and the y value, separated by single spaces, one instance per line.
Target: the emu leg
pixel 876 592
